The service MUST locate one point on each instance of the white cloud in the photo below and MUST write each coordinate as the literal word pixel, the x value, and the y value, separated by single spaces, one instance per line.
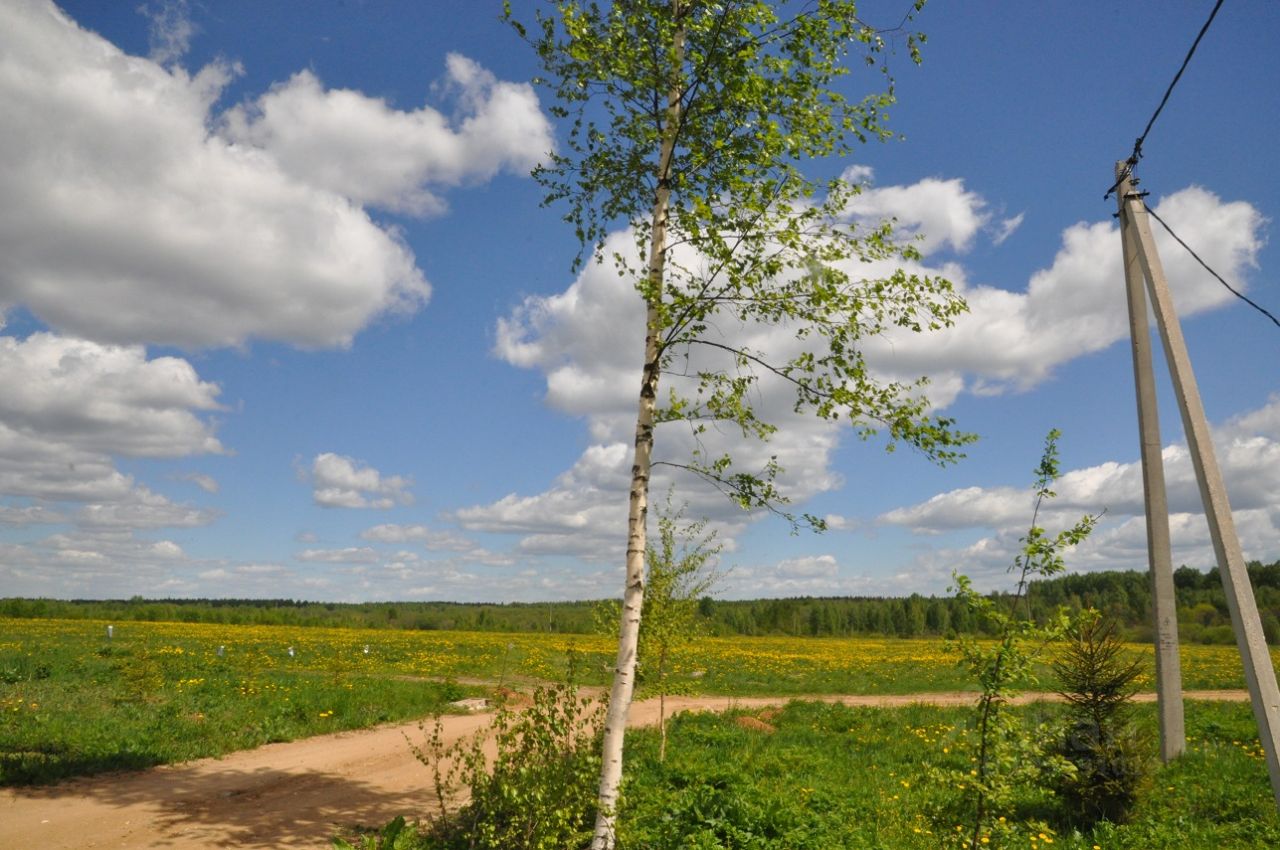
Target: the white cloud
pixel 810 566
pixel 433 540
pixel 349 555
pixel 392 533
pixel 143 509
pixel 68 409
pixel 103 398
pixel 836 522
pixel 30 515
pixel 1248 451
pixel 110 548
pixel 127 220
pixel 340 482
pixel 1006 228
pixel 68 406
pixel 1013 340
pixel 936 211
pixel 810 575
pixel 587 342
pixel 858 175
pixel 207 483
pixel 171 29
pixel 582 514
pixel 363 149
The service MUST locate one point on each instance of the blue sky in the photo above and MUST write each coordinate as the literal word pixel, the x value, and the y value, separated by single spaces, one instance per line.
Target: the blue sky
pixel 283 316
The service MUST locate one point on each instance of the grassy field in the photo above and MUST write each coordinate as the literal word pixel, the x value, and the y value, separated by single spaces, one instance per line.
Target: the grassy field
pixel 827 776
pixel 73 701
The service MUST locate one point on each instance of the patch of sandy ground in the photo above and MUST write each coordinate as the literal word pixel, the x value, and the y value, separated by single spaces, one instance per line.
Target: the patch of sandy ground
pixel 300 793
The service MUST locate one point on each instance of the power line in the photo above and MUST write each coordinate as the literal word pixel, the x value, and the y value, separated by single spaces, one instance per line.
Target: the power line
pixel 1229 287
pixel 1137 146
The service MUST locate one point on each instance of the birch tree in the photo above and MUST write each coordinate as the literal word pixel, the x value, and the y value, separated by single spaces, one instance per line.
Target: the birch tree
pixel 688 124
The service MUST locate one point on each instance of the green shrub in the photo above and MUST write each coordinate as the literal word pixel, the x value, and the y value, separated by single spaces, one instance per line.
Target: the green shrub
pixel 538 793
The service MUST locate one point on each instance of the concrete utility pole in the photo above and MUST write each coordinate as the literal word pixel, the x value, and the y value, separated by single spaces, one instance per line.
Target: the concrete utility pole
pixel 1259 674
pixel 1173 735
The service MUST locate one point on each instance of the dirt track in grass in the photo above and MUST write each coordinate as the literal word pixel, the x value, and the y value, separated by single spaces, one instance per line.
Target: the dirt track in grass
pixel 298 794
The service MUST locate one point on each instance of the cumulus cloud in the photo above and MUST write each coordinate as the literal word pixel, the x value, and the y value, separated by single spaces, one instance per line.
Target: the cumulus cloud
pixel 363 149
pixel 143 509
pixel 73 562
pixel 858 175
pixel 1013 339
pixel 68 409
pixel 837 522
pixel 126 219
pixel 581 514
pixel 340 482
pixel 68 405
pixel 30 515
pixel 104 398
pixel 933 211
pixel 1248 452
pixel 587 342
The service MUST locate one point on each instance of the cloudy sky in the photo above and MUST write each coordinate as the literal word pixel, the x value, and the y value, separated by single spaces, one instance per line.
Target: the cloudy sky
pixel 282 315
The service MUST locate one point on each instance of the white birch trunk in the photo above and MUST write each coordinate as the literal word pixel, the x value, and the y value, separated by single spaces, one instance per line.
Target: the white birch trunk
pixel 615 723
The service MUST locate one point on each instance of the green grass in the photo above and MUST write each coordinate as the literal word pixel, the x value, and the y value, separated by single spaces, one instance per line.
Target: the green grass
pixel 79 704
pixel 73 702
pixel 838 777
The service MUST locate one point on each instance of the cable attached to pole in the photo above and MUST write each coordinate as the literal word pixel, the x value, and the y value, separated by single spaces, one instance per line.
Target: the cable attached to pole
pixel 1229 287
pixel 1137 146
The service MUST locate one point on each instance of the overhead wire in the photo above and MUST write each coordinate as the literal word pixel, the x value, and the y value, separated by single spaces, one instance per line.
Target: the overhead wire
pixel 1137 146
pixel 1207 268
pixel 1132 161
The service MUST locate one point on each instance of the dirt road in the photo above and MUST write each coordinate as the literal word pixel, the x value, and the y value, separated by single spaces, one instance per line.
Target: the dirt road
pixel 296 794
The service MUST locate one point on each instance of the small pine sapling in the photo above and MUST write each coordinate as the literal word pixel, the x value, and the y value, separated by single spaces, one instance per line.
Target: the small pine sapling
pixel 1097 677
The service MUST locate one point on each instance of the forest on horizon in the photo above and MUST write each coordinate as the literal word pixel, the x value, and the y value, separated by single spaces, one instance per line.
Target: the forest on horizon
pixel 1123 596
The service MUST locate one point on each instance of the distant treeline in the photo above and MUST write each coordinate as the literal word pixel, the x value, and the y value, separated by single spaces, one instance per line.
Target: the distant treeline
pixel 1124 596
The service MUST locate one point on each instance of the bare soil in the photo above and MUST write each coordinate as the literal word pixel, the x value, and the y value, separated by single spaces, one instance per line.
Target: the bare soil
pixel 300 793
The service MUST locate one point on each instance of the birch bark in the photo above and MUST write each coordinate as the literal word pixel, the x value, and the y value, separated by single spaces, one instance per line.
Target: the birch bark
pixel 633 594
